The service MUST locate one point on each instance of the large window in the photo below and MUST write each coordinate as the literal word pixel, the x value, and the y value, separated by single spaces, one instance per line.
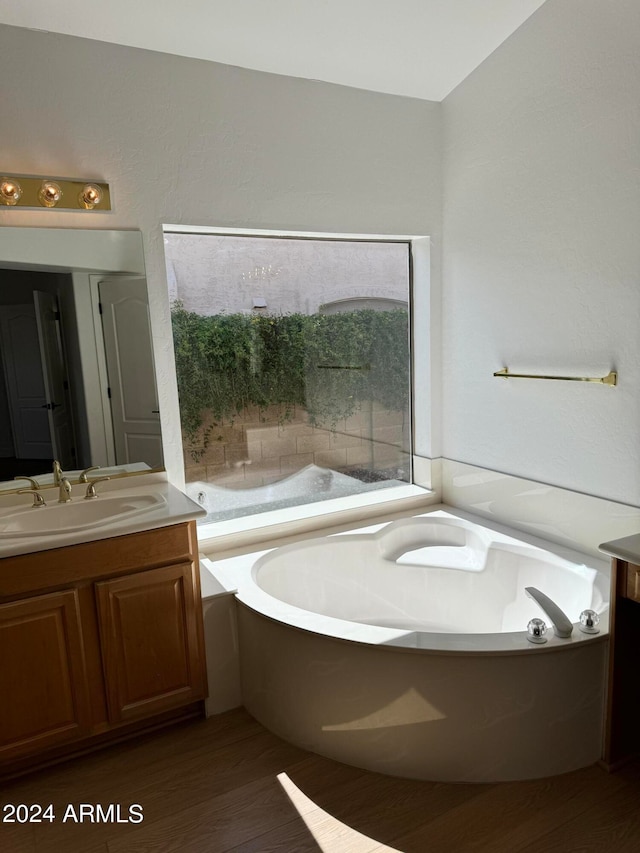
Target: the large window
pixel 293 368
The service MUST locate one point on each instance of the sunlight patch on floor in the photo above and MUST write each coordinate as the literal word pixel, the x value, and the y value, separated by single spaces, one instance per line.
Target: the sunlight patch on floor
pixel 331 835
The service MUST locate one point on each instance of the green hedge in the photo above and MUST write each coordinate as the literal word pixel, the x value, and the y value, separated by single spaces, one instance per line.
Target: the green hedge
pixel 329 364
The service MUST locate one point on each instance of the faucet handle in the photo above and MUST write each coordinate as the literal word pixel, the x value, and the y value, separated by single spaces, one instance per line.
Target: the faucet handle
pixel 536 630
pixel 91 488
pixel 83 477
pixel 38 500
pixel 34 483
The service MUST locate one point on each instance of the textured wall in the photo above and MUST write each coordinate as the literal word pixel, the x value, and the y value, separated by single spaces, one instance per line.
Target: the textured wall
pixel 542 253
pixel 192 142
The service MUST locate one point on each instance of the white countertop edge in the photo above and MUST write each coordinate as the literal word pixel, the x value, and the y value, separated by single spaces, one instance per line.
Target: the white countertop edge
pixel 627 548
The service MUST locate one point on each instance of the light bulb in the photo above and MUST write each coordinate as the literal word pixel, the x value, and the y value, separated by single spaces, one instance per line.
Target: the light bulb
pixel 49 194
pixel 10 191
pixel 90 196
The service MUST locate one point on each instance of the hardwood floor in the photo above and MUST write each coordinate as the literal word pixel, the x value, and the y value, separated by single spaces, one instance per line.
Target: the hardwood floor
pixel 227 784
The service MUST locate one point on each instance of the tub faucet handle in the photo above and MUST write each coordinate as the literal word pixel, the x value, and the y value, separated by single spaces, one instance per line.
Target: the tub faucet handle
pixel 536 630
pixel 589 622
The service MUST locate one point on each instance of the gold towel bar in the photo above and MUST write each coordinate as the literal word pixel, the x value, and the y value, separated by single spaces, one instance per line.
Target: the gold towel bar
pixel 610 379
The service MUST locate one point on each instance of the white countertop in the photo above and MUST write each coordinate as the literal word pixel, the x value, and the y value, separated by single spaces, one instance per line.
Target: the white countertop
pixel 627 548
pixel 174 508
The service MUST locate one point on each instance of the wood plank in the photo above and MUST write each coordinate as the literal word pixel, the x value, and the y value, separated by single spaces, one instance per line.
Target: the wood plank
pixel 203 776
pixel 219 823
pixel 606 828
pixel 16 837
pixel 403 804
pixel 288 837
pixel 524 810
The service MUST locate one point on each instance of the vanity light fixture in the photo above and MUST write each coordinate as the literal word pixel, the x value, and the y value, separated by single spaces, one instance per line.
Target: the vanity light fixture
pixel 59 193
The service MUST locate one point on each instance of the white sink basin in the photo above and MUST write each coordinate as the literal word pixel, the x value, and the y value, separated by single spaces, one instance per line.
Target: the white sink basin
pixel 78 514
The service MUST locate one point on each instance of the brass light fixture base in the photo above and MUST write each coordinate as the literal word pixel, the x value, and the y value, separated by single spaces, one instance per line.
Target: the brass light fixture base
pixel 53 193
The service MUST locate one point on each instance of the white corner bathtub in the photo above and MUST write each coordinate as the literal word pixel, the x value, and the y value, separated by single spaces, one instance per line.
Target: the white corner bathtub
pixel 401 648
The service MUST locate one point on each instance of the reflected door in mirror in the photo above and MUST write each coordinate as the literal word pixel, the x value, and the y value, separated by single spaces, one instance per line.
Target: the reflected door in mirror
pixel 132 389
pixel 25 391
pixel 54 373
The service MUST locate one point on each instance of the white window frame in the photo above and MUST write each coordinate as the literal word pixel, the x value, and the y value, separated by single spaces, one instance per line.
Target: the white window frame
pixel 424 313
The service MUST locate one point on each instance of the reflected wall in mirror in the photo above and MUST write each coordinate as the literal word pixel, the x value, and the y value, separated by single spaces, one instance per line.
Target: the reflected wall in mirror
pixel 77 378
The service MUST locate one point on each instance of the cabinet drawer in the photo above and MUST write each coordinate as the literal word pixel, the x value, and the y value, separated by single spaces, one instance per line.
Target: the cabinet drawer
pixel 632 582
pixel 30 573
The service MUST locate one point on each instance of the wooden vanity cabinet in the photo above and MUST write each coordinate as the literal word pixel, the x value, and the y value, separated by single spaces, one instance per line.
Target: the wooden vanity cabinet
pixel 629 582
pixel 98 640
pixel 622 734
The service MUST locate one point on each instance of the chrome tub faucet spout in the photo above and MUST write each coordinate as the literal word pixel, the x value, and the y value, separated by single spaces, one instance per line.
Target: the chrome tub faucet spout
pixel 562 626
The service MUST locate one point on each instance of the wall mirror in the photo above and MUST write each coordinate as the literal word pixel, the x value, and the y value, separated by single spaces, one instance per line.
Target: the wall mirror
pixel 77 377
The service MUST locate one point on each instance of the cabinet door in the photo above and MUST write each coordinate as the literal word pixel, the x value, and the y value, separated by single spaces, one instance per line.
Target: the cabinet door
pixel 43 685
pixel 150 630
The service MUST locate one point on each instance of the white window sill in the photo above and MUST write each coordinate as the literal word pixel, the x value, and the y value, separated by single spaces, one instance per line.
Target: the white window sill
pixel 252 529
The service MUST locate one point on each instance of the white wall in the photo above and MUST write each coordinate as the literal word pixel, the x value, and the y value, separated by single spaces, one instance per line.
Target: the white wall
pixel 190 142
pixel 542 251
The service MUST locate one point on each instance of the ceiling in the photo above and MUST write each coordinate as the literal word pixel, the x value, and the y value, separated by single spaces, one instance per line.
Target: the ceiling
pixel 417 48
